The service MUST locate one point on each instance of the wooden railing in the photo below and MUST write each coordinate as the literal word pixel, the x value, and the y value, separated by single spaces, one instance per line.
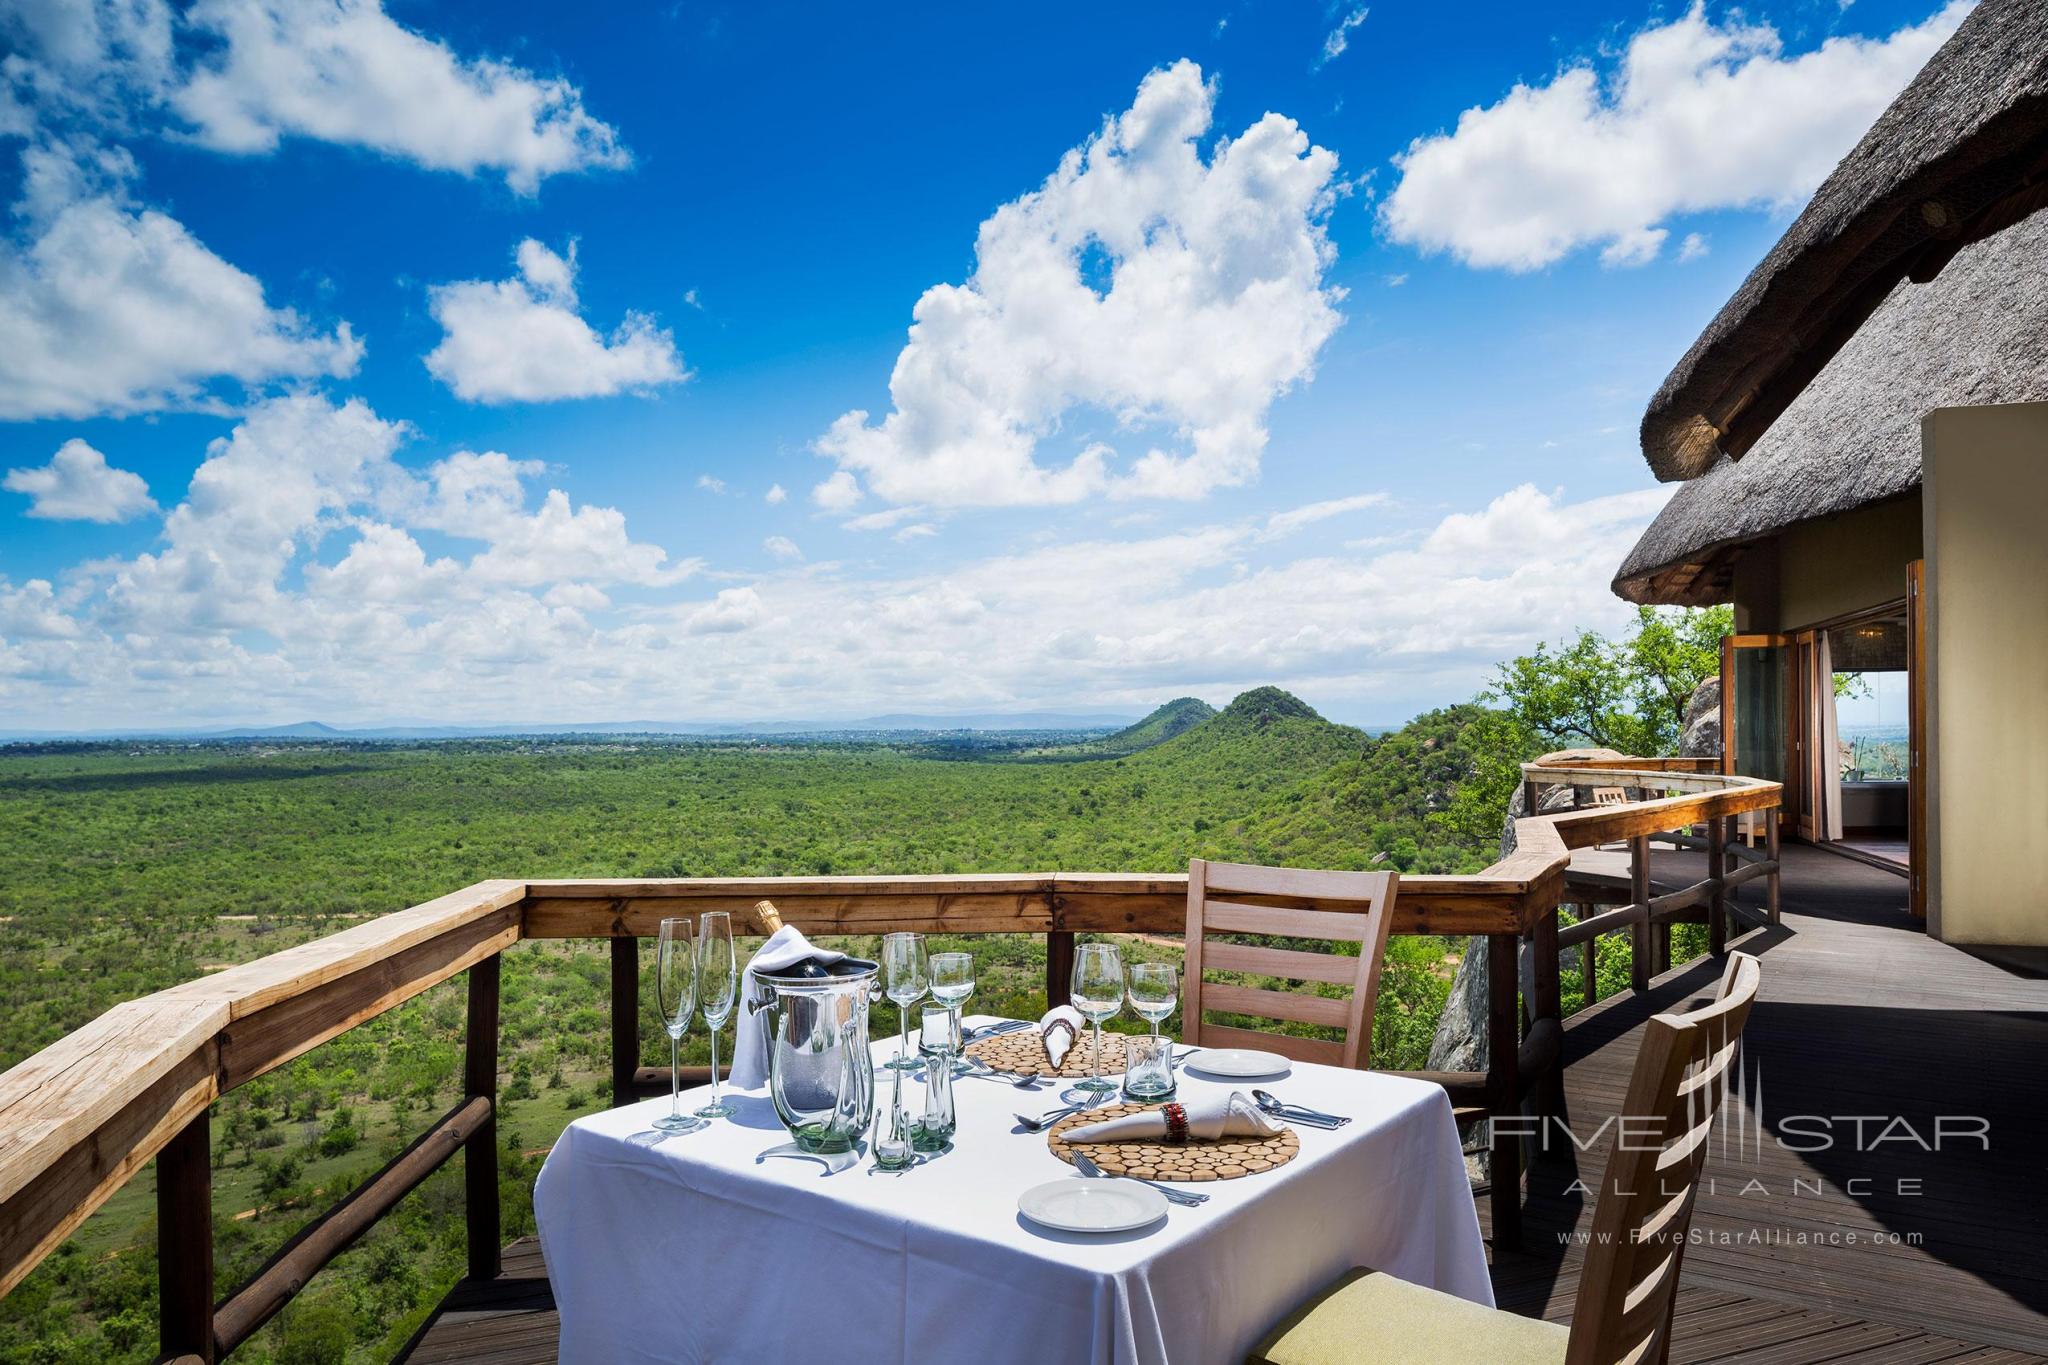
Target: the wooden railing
pixel 81 1117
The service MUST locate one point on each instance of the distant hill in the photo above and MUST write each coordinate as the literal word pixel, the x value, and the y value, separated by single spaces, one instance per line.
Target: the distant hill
pixel 1265 739
pixel 1174 718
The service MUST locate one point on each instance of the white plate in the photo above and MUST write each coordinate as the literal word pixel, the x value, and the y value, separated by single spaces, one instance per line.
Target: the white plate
pixel 1078 1205
pixel 1238 1062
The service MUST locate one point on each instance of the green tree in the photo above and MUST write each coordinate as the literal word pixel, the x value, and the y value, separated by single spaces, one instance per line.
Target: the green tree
pixel 1628 694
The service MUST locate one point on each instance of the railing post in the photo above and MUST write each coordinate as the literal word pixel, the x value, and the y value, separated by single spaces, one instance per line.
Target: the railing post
pixel 1717 871
pixel 1639 892
pixel 1771 848
pixel 1503 1046
pixel 480 1152
pixel 1589 961
pixel 1059 966
pixel 184 1242
pixel 1546 992
pixel 625 1017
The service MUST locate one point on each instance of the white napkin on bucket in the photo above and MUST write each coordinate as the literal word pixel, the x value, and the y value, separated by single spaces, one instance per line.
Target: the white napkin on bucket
pixel 1209 1117
pixel 1058 1030
pixel 750 1038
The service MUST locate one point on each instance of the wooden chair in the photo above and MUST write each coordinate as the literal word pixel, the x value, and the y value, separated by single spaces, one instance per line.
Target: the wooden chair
pixel 1351 907
pixel 1629 1281
pixel 1610 796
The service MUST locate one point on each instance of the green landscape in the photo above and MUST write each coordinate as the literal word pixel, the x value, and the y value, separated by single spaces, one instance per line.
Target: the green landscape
pixel 128 867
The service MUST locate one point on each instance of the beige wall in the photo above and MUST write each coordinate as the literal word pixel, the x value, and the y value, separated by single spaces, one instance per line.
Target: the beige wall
pixel 1842 564
pixel 1985 506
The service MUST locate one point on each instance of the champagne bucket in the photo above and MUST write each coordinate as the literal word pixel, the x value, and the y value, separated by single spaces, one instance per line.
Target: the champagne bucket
pixel 821 1075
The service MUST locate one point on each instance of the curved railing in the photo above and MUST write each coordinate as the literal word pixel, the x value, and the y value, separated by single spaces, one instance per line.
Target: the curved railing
pixel 81 1117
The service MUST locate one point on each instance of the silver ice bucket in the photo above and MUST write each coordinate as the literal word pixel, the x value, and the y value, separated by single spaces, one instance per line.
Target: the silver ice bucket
pixel 820 1073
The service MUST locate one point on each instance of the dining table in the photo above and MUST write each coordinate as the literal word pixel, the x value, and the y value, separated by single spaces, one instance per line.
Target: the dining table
pixel 700 1246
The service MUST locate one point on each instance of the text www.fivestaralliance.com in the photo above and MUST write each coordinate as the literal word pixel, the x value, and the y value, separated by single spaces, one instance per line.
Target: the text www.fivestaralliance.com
pixel 1766 1237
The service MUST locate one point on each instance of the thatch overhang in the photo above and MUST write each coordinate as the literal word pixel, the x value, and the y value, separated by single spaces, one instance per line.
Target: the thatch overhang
pixel 1977 333
pixel 1959 156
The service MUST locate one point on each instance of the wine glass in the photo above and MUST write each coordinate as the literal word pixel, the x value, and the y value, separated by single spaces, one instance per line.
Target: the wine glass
pixel 718 977
pixel 1097 992
pixel 675 999
pixel 906 976
pixel 952 983
pixel 1153 992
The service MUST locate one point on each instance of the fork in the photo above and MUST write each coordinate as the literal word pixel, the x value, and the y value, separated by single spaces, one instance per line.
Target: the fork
pixel 1047 1120
pixel 1187 1199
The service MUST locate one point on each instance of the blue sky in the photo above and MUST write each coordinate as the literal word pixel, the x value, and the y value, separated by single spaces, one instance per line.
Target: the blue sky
pixel 457 350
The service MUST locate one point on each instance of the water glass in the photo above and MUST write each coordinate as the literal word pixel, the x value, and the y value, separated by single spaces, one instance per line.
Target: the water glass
pixel 952 984
pixel 718 975
pixel 1097 992
pixel 906 975
pixel 675 1000
pixel 1154 989
pixel 1148 1067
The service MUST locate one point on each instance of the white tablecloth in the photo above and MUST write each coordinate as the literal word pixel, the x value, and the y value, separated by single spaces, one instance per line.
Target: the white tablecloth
pixel 685 1249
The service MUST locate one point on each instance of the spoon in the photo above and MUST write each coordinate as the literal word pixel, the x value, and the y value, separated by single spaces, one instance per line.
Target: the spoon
pixel 1272 1104
pixel 1185 1198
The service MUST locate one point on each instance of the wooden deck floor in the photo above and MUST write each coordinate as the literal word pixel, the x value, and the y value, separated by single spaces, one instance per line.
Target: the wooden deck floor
pixel 1860 1014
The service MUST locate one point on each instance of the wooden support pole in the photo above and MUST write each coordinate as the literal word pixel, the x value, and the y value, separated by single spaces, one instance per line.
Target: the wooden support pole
pixel 1640 970
pixel 1717 869
pixel 327 1236
pixel 1589 961
pixel 1546 1001
pixel 1771 852
pixel 184 1243
pixel 480 1150
pixel 625 1018
pixel 1503 1013
pixel 1059 967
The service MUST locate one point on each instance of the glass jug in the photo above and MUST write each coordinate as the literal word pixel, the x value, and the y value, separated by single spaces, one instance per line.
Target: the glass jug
pixel 820 1074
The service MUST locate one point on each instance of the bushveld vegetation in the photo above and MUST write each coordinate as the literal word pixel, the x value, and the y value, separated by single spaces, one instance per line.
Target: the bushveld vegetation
pixel 125 868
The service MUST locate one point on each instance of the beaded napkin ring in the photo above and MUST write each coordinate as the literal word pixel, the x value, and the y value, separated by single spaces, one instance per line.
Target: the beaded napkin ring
pixel 1176 1124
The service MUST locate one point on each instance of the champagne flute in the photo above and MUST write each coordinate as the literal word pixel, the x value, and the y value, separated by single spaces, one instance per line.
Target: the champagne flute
pixel 1097 992
pixel 907 974
pixel 675 999
pixel 1153 992
pixel 952 983
pixel 718 977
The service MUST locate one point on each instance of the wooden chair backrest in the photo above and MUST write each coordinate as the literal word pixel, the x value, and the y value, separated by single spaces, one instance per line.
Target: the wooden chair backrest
pixel 1630 1279
pixel 1610 796
pixel 1285 902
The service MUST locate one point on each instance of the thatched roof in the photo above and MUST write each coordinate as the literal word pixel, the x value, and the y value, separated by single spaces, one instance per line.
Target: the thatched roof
pixel 1978 333
pixel 1962 153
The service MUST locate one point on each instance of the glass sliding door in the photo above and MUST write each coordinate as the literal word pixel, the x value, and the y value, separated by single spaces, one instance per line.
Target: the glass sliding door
pixel 1759 722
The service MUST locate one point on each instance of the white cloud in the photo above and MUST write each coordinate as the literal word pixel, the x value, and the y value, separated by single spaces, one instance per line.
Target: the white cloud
pixel 1142 282
pixel 782 547
pixel 1695 116
pixel 734 609
pixel 79 485
pixel 710 483
pixel 1294 518
pixel 343 71
pixel 1692 248
pixel 776 495
pixel 884 519
pixel 838 493
pixel 1339 40
pixel 106 307
pixel 521 340
pixel 918 531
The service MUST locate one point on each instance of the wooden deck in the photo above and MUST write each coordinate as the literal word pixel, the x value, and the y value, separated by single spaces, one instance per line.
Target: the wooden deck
pixel 1861 1014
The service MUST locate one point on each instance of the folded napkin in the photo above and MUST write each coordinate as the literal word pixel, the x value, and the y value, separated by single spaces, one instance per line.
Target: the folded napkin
pixel 1057 1030
pixel 1209 1117
pixel 750 1040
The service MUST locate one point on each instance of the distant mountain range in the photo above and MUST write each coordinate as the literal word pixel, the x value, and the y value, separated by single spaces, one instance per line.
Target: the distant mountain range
pixel 900 723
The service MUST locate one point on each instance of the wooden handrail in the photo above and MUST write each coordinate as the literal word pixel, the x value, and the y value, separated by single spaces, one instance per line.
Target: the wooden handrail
pixel 79 1118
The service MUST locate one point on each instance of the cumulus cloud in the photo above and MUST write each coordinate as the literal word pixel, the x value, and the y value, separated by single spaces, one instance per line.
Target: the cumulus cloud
pixel 345 72
pixel 522 340
pixel 1695 116
pixel 108 307
pixel 1142 282
pixel 782 547
pixel 776 495
pixel 79 485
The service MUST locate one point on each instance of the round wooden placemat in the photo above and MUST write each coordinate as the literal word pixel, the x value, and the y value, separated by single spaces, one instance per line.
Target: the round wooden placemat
pixel 1223 1159
pixel 1022 1052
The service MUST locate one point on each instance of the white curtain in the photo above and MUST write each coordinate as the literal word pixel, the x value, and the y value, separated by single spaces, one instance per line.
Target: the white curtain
pixel 1829 731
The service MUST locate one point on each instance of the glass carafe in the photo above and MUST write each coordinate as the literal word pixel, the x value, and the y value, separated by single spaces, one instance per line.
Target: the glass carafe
pixel 820 1074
